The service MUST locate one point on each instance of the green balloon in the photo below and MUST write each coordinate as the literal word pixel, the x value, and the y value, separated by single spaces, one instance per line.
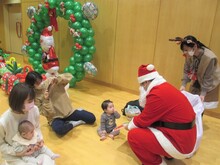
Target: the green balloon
pixel 37 17
pixel 71 69
pixel 38 56
pixel 37 36
pixel 58 2
pixel 72 60
pixel 84 32
pixel 87 58
pixel 33 26
pixel 69 5
pixel 52 3
pixel 58 12
pixel 78 16
pixel 86 23
pixel 40 24
pixel 72 82
pixel 74 49
pixel 36 64
pixel 80 76
pixel 27 48
pixel 45 16
pixel 31 52
pixel 91 32
pixel 89 41
pixel 30 60
pixel 66 70
pixel 76 25
pixel 47 23
pixel 78 40
pixel 39 50
pixel 68 13
pixel 35 46
pixel 79 67
pixel 84 50
pixel 92 49
pixel 44 11
pixel 31 39
pixel 40 68
pixel 78 57
pixel 77 7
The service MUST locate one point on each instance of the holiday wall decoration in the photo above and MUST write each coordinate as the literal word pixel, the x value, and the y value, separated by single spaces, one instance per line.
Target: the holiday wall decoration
pixel 78 17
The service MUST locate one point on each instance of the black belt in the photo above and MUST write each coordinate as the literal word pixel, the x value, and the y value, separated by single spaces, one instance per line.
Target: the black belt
pixel 50 60
pixel 177 126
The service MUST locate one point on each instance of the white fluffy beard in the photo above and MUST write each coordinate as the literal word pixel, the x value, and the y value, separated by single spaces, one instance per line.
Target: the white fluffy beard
pixel 142 97
pixel 46 42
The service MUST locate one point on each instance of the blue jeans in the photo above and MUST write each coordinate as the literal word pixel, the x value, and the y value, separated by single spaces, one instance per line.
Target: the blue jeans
pixel 61 126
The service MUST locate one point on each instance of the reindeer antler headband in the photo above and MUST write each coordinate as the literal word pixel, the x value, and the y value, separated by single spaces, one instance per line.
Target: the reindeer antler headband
pixel 179 40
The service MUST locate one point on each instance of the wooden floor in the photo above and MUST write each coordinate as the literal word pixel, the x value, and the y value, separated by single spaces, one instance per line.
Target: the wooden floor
pixel 82 146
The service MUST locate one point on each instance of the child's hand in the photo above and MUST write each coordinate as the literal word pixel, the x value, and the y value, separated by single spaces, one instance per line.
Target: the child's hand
pixel 39 145
pixel 46 94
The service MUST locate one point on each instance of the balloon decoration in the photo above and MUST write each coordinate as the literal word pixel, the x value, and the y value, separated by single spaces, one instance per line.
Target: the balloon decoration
pixel 78 17
pixel 90 68
pixel 90 10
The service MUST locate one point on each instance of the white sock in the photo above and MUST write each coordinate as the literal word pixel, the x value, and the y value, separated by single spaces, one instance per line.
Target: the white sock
pixel 55 156
pixel 163 162
pixel 76 123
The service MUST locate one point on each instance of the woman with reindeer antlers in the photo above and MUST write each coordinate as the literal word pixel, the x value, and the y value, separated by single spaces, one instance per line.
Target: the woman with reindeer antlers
pixel 201 68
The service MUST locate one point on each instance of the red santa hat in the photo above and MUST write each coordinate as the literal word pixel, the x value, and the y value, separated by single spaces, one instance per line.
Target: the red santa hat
pixel 146 73
pixel 47 31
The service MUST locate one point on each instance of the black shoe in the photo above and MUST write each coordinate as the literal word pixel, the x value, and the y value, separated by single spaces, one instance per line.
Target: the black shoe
pixel 167 158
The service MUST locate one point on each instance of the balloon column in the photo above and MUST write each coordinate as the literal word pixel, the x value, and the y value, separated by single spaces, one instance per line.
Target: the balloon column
pixel 78 17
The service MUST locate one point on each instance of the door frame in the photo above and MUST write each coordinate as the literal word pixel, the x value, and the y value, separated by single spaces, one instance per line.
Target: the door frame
pixel 6 4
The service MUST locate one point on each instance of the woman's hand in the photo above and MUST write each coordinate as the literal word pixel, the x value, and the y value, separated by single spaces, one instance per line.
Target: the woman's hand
pixel 182 88
pixel 202 98
pixel 28 151
pixel 46 94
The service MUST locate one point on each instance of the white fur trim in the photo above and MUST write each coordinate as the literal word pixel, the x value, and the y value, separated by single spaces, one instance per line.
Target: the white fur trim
pixel 147 77
pixel 131 125
pixel 47 38
pixel 211 105
pixel 168 146
pixel 198 108
pixel 150 67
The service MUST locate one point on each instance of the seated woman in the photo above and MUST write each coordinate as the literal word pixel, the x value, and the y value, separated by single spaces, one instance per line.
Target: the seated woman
pixel 54 103
pixel 21 102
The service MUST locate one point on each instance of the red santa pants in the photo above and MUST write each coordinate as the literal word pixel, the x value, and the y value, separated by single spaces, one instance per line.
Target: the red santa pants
pixel 145 146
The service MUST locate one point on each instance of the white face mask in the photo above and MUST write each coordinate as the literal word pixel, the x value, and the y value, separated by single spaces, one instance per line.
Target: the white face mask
pixel 191 53
pixel 28 106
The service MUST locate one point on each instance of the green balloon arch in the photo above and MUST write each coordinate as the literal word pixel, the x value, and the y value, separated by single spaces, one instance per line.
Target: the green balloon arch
pixel 80 26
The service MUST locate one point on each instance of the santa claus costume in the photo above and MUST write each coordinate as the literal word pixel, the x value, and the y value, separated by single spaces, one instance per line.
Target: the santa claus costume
pixel 166 126
pixel 50 61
